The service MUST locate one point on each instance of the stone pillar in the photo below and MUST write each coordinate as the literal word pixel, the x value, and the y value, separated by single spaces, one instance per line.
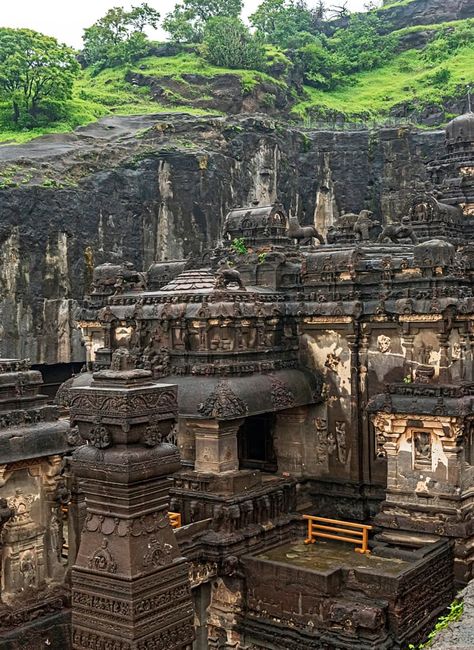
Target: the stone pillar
pixel 444 372
pixel 289 440
pixel 216 445
pixel 130 587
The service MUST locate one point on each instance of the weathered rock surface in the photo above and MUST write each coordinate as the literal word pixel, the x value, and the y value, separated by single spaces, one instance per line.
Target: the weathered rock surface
pixel 146 188
pixel 223 93
pixel 460 635
pixel 426 12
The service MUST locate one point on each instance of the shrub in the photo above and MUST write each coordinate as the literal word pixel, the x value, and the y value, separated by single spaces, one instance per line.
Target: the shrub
pixel 229 44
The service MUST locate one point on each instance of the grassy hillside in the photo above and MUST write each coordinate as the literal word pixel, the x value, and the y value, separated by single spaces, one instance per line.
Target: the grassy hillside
pixel 407 79
pixel 442 68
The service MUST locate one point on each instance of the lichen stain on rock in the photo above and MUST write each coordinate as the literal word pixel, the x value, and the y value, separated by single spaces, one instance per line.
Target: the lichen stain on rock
pixel 263 168
pixel 56 271
pixel 168 243
pixel 325 212
pixel 10 263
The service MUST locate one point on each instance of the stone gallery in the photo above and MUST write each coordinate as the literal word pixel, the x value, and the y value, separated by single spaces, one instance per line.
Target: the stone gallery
pixel 292 383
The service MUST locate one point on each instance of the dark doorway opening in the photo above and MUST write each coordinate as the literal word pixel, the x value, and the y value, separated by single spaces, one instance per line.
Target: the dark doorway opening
pixel 55 374
pixel 256 443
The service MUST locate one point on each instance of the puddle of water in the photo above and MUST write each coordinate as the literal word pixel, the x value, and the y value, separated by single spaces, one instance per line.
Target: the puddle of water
pixel 325 556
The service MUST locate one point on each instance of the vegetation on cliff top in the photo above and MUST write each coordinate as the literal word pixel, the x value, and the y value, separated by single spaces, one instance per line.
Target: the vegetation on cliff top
pixel 357 72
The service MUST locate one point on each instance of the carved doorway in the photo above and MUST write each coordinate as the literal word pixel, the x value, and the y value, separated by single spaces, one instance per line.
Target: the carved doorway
pixel 256 443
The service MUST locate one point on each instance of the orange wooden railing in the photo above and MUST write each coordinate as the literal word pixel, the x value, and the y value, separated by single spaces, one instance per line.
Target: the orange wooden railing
pixel 175 519
pixel 349 532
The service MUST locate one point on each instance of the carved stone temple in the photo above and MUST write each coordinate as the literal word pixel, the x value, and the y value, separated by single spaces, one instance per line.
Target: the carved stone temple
pixel 295 372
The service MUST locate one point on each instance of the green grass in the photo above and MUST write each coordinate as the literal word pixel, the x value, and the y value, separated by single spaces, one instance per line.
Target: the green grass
pixel 388 4
pixel 188 63
pixel 407 78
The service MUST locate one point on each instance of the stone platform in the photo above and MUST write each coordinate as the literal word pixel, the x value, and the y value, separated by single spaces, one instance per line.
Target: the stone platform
pixel 330 596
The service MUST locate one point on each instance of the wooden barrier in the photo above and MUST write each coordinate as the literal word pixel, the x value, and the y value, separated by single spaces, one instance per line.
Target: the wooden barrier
pixel 175 519
pixel 349 532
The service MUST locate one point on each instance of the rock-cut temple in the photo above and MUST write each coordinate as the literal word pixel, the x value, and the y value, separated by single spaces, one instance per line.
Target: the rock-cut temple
pixel 282 388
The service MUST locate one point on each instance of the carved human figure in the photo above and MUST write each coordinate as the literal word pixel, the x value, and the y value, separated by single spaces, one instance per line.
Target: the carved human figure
pixel 55 534
pixel 383 343
pixel 341 442
pixel 422 448
pixel 332 362
pixel 28 570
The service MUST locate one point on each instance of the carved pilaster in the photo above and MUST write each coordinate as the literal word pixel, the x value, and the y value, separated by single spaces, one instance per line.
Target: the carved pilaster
pixel 130 586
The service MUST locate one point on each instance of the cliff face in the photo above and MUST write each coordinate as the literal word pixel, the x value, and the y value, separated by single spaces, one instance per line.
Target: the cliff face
pixel 156 187
pixel 425 12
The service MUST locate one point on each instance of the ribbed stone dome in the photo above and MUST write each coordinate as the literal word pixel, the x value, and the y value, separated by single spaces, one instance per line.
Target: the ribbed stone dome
pixel 461 129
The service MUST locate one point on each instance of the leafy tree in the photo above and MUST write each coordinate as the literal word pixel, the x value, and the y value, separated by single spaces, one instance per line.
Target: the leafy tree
pixel 36 74
pixel 229 44
pixel 279 21
pixel 189 17
pixel 119 36
pixel 180 25
pixel 361 44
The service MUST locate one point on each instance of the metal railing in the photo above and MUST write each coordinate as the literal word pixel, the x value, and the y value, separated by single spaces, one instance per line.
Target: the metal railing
pixel 349 532
pixel 175 519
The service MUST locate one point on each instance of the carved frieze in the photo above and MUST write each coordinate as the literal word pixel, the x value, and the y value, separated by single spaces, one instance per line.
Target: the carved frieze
pixel 223 403
pixel 281 395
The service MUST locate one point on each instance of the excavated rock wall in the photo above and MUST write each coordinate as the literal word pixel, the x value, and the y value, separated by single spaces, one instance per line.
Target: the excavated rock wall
pixel 158 187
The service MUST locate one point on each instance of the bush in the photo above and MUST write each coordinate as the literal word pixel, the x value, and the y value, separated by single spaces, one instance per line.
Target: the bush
pixel 439 78
pixel 229 44
pixel 322 68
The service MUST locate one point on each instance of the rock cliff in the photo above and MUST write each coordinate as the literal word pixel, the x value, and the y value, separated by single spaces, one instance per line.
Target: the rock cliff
pixel 156 187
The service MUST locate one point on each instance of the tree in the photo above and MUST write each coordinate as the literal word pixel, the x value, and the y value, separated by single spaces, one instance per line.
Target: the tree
pixel 119 36
pixel 279 21
pixel 188 19
pixel 361 44
pixel 36 73
pixel 229 44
